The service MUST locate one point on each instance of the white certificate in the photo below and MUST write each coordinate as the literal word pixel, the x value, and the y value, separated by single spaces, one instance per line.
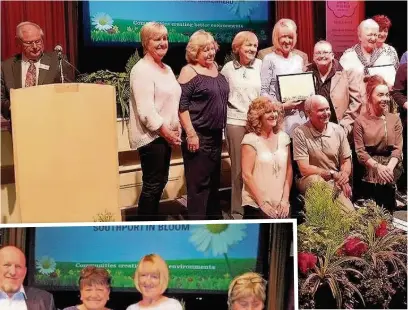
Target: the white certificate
pixel 387 72
pixel 296 87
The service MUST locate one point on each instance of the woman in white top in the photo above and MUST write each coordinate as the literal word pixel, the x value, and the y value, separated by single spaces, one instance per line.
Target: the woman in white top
pixel 283 61
pixel 153 122
pixel 266 162
pixel 151 280
pixel 244 78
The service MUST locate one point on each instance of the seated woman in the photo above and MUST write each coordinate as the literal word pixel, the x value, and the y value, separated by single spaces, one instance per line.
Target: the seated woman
pixel 247 291
pixel 378 142
pixel 94 289
pixel 151 280
pixel 266 162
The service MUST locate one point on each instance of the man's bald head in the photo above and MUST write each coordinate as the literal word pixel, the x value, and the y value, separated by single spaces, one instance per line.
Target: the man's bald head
pixel 312 101
pixel 368 34
pixel 12 269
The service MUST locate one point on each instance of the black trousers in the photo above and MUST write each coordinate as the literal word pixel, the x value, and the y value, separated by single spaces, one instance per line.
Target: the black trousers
pixel 383 195
pixel 155 162
pixel 202 170
pixel 254 213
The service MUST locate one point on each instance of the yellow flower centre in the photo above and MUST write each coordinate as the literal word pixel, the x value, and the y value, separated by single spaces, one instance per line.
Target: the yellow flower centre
pixel 46 264
pixel 216 228
pixel 103 21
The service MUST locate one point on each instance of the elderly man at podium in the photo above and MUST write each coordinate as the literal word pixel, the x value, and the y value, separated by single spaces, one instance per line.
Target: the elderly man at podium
pixel 32 67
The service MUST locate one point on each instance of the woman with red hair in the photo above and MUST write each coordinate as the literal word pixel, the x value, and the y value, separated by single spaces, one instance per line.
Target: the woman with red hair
pixel 378 142
pixel 385 24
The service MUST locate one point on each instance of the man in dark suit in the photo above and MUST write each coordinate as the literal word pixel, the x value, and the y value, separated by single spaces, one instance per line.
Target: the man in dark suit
pixel 32 67
pixel 13 295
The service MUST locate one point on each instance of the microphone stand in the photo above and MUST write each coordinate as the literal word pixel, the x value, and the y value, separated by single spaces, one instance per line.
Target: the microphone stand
pixel 60 65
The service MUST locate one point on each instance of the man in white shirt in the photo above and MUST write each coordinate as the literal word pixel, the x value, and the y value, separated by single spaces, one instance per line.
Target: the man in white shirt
pixel 13 295
pixel 32 67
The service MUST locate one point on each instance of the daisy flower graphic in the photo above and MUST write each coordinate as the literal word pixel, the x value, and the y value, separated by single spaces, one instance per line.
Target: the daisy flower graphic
pixel 217 238
pixel 102 21
pixel 46 265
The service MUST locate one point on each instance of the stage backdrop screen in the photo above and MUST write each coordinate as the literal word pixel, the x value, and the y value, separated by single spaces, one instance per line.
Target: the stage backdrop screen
pixel 119 22
pixel 200 257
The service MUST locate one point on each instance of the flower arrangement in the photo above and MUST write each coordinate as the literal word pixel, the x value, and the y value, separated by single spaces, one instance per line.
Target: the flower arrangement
pixel 120 80
pixel 352 261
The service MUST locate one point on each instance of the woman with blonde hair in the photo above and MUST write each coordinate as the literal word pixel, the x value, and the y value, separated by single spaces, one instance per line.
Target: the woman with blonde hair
pixel 151 280
pixel 247 291
pixel 94 289
pixel 153 122
pixel 266 162
pixel 203 113
pixel 280 62
pixel 243 74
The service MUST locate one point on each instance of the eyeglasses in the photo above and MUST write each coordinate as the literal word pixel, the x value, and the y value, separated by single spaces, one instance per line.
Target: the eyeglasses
pixel 30 43
pixel 251 280
pixel 324 53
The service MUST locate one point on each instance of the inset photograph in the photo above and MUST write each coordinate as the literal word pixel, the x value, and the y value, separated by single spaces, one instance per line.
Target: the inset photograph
pixel 179 265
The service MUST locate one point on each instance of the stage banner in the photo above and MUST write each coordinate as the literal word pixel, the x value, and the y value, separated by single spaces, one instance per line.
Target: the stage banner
pixel 342 20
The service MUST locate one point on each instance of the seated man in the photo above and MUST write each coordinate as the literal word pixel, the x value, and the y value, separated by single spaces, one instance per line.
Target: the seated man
pixel 322 151
pixel 32 67
pixel 342 89
pixel 13 295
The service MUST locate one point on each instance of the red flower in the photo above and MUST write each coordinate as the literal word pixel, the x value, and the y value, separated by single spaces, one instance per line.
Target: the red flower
pixel 355 247
pixel 306 261
pixel 381 229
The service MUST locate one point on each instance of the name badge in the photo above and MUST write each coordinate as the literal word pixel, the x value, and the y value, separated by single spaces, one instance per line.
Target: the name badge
pixel 45 67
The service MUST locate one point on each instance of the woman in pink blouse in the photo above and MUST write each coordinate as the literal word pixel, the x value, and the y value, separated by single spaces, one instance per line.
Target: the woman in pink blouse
pixel 378 142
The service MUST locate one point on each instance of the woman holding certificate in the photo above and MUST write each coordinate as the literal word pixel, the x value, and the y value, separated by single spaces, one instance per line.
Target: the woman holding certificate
pixel 283 61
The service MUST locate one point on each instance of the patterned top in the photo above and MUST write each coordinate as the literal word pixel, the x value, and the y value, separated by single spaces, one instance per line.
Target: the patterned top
pixel 245 86
pixel 269 169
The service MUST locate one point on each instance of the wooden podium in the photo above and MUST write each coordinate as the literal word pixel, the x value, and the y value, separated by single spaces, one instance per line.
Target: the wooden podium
pixel 65 153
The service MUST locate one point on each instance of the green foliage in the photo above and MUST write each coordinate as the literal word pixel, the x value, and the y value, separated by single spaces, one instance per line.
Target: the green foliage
pixel 370 281
pixel 120 80
pixel 330 269
pixel 325 222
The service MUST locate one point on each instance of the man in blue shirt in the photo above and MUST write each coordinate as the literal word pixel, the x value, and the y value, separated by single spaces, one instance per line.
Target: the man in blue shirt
pixel 13 295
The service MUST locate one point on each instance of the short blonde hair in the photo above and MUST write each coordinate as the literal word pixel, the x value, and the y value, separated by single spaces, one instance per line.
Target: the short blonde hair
pixel 245 285
pixel 283 23
pixel 149 31
pixel 198 41
pixel 240 39
pixel 257 109
pixel 159 265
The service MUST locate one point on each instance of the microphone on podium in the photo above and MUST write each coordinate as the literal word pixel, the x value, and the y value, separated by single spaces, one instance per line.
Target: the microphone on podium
pixel 58 50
